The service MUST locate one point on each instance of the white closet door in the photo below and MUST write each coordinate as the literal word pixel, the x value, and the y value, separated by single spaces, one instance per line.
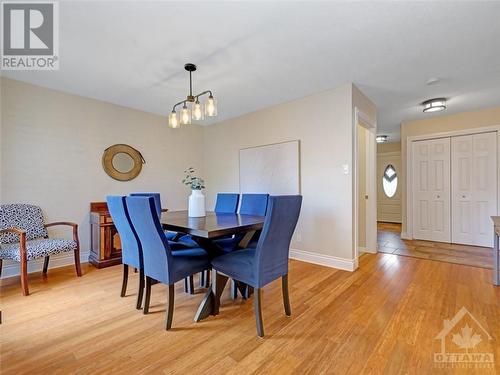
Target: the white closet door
pixel 431 184
pixel 474 188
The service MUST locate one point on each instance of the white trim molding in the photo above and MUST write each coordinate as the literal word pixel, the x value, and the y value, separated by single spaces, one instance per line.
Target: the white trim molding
pixel 324 260
pixel 361 118
pixel 12 268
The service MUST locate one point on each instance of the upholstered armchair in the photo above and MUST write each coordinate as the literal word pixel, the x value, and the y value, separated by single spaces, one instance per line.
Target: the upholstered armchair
pixel 24 237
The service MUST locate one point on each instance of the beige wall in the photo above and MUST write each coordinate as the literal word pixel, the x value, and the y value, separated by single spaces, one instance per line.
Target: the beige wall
pixel 460 121
pixel 388 147
pixel 324 125
pixel 52 144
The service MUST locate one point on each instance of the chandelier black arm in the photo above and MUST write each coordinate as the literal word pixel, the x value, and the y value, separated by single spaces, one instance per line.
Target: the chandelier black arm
pixel 196 96
pixel 175 105
pixel 203 93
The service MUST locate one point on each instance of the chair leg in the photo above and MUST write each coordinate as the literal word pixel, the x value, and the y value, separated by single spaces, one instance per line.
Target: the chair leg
pixel 243 289
pixel 234 289
pixel 248 291
pixel 257 306
pixel 124 280
pixel 1 263
pixel 140 291
pixel 24 277
pixel 189 284
pixel 207 278
pixel 77 261
pixel 45 264
pixel 202 279
pixel 170 307
pixel 147 296
pixel 286 296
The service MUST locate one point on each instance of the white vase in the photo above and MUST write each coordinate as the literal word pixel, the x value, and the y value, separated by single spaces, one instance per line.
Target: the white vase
pixel 196 206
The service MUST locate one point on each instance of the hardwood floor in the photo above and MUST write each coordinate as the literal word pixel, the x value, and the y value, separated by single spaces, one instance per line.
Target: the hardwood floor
pixel 383 318
pixel 390 242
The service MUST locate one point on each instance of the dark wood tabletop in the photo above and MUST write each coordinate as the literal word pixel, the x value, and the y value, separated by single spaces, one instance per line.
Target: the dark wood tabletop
pixel 213 225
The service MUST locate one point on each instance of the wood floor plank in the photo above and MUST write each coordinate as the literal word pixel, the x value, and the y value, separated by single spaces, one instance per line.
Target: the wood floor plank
pixel 383 318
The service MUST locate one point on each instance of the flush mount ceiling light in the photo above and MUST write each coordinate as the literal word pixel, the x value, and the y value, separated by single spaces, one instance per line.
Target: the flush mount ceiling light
pixel 434 105
pixel 196 111
pixel 381 138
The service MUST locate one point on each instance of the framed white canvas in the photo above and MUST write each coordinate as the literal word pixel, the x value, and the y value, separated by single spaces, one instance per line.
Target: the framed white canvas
pixel 273 169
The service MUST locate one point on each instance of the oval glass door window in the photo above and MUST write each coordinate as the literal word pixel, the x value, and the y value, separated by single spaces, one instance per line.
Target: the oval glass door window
pixel 390 181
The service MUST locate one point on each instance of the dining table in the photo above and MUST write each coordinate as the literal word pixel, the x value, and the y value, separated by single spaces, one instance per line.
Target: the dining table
pixel 204 230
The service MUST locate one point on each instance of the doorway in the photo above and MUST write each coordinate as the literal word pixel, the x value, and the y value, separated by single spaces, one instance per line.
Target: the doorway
pixel 365 203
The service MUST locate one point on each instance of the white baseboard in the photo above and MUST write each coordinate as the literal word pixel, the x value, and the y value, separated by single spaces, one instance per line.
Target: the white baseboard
pixel 11 268
pixel 324 260
pixel 366 251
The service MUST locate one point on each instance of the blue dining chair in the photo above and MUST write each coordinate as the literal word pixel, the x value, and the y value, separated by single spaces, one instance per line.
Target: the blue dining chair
pixel 226 203
pixel 131 247
pixel 160 263
pixel 268 261
pixel 251 204
pixel 156 196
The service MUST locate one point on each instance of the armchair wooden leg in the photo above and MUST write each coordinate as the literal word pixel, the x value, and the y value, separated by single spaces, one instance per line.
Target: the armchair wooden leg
pixel 77 261
pixel 148 295
pixel 286 296
pixel 170 307
pixel 257 306
pixel 24 277
pixel 140 291
pixel 124 281
pixel 45 264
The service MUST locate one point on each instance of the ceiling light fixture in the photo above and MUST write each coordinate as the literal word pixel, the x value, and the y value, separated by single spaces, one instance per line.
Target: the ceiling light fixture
pixel 381 138
pixel 434 105
pixel 198 110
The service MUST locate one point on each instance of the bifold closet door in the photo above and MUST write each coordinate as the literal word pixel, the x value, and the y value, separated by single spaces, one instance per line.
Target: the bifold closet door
pixel 431 190
pixel 474 188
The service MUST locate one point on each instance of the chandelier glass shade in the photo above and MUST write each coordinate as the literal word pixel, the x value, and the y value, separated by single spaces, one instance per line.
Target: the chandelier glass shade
pixel 196 111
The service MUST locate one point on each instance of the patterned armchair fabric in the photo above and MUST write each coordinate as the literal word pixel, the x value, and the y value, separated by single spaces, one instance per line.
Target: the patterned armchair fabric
pixel 37 248
pixel 29 218
pixel 22 216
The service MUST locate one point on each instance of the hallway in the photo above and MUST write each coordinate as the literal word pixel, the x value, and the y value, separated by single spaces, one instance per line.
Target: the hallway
pixel 390 242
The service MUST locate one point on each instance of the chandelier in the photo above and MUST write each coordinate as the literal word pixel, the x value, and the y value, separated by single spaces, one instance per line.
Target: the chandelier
pixel 197 111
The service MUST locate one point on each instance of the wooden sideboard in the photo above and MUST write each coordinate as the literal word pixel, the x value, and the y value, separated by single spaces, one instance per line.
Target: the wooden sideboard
pixel 105 245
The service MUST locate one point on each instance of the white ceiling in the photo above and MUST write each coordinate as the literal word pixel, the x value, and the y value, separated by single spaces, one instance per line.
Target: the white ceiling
pixel 257 54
